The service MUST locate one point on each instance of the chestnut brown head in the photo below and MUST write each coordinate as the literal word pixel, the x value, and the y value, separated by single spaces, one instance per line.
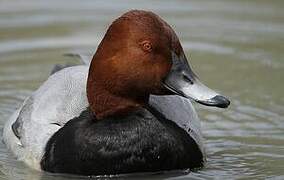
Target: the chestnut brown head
pixel 140 55
pixel 135 55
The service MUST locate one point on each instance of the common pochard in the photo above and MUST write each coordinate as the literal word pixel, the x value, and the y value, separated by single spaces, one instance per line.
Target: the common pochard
pixel 128 111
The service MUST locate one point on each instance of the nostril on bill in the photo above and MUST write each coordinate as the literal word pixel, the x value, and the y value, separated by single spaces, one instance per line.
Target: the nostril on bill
pixel 187 79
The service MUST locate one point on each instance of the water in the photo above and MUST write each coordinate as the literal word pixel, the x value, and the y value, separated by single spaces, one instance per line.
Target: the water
pixel 235 47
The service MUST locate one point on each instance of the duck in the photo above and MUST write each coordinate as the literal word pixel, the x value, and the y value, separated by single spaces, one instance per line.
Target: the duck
pixel 128 110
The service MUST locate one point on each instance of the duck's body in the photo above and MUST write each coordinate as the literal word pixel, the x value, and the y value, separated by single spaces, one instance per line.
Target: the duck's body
pixel 139 142
pixel 62 98
pixel 102 118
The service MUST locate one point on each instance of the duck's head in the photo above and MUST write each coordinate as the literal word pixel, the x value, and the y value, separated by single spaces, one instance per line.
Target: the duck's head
pixel 140 55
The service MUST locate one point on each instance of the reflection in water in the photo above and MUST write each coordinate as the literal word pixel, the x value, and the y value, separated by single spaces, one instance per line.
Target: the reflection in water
pixel 235 46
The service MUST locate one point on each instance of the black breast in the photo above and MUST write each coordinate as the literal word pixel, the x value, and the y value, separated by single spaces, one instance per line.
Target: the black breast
pixel 139 142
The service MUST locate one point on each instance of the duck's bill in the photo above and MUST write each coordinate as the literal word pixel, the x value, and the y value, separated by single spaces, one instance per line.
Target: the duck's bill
pixel 182 81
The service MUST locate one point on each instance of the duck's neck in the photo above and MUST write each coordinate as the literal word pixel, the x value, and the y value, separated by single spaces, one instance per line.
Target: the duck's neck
pixel 104 104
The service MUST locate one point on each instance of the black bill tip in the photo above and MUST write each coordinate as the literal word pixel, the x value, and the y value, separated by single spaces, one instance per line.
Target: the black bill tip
pixel 221 101
pixel 217 101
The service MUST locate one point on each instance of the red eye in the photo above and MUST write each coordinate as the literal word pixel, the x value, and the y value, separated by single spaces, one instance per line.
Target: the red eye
pixel 146 45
